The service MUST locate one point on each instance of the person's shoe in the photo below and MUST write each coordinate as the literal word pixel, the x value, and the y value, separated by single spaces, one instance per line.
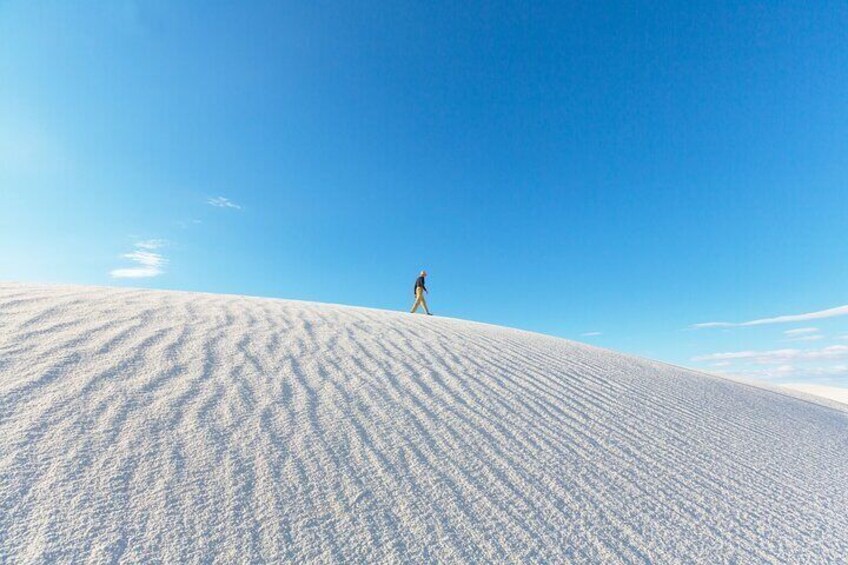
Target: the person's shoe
pixel 429 313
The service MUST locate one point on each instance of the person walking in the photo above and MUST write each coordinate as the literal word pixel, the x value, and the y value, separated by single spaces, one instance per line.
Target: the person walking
pixel 419 290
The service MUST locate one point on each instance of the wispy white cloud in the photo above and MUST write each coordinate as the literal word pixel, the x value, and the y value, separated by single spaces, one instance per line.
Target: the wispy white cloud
pixel 151 244
pixel 829 313
pixel 772 356
pixel 776 372
pixel 222 202
pixel 832 373
pixel 832 370
pixel 148 262
pixel 803 334
pixel 591 334
pixel 813 337
pixel 704 325
pixel 778 356
pixel 800 331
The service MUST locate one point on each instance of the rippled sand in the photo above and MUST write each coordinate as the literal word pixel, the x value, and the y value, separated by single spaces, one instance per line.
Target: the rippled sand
pixel 147 426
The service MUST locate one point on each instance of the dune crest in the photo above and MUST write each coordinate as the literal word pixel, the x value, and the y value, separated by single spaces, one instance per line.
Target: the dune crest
pixel 146 426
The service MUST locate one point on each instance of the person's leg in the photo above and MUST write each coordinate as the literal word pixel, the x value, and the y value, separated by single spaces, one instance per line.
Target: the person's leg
pixel 419 296
pixel 424 303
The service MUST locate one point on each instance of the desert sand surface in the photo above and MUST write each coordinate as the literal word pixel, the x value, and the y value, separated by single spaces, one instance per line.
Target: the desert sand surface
pixel 834 393
pixel 152 426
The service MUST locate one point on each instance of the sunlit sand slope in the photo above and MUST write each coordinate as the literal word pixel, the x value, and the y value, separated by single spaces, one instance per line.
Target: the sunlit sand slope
pixel 145 426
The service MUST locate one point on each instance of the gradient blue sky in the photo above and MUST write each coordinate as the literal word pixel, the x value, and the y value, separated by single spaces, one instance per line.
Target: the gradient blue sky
pixel 621 168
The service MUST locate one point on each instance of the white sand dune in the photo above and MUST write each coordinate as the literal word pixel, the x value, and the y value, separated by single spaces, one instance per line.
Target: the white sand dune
pixel 146 426
pixel 836 394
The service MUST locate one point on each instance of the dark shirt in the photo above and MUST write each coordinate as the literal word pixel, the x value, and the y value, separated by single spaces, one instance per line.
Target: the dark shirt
pixel 419 282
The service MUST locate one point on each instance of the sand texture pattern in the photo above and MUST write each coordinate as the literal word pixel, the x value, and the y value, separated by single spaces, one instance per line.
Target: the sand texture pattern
pixel 148 426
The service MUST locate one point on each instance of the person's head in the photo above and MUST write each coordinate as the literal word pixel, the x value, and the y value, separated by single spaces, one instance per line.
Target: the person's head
pixel 423 273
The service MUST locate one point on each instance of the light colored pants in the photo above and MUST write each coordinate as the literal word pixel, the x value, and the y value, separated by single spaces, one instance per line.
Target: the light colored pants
pixel 419 300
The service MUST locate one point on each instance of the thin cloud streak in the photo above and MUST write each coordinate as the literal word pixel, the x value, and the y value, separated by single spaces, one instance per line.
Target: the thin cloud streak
pixel 800 331
pixel 223 202
pixel 778 355
pixel 149 264
pixel 814 337
pixel 151 244
pixel 833 373
pixel 829 313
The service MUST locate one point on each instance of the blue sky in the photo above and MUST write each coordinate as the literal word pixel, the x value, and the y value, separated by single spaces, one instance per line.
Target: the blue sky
pixel 625 169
